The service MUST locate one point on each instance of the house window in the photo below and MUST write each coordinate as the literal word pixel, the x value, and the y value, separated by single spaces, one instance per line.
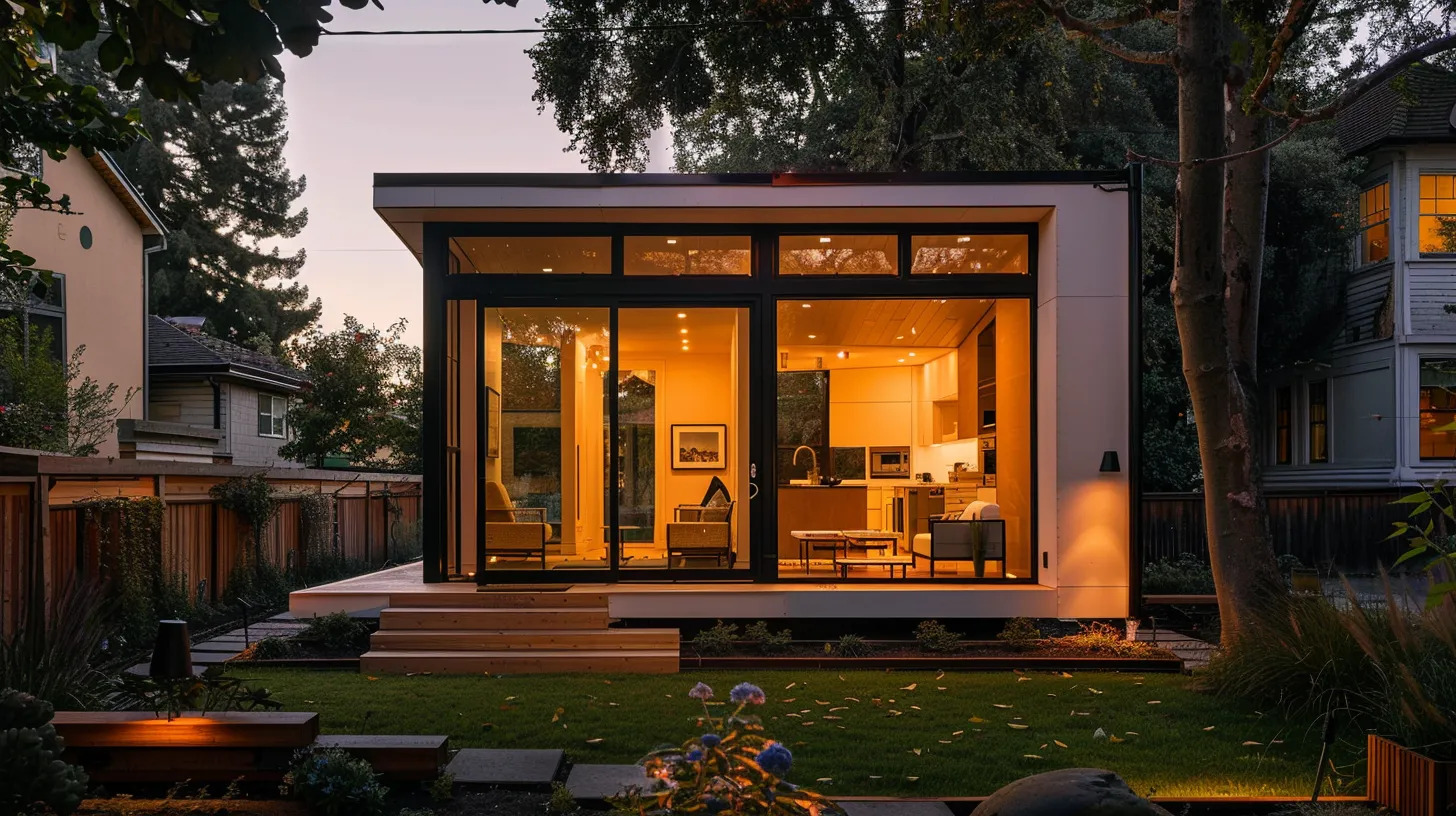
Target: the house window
pixel 1319 421
pixel 970 254
pixel 839 255
pixel 1283 438
pixel 39 310
pixel 1375 223
pixel 272 415
pixel 803 420
pixel 1438 214
pixel 1438 408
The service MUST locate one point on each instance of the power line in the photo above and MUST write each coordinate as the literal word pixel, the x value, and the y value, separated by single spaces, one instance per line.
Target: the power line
pixel 601 29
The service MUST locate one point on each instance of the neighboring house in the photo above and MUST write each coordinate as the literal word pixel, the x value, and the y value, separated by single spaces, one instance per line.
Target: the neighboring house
pixel 98 295
pixel 203 382
pixel 1379 411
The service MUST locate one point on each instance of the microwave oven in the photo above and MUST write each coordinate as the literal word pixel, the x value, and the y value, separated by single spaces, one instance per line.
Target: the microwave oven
pixel 889 463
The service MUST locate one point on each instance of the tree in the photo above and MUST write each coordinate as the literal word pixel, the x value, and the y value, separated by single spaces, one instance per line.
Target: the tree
pixel 173 48
pixel 365 403
pixel 48 404
pixel 214 171
pixel 1235 69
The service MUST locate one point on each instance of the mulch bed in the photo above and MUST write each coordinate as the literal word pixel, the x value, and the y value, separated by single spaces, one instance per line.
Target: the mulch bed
pixel 893 648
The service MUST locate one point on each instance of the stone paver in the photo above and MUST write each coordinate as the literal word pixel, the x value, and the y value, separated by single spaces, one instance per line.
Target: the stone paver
pixel 603 781
pixel 895 808
pixel 1195 653
pixel 500 766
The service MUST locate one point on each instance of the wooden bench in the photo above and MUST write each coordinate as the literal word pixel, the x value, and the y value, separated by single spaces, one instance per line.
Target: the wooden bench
pixel 904 562
pixel 405 758
pixel 137 747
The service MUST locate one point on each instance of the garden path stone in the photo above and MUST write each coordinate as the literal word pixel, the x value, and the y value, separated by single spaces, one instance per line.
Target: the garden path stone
pixel 1068 792
pixel 602 781
pixel 502 766
pixel 895 808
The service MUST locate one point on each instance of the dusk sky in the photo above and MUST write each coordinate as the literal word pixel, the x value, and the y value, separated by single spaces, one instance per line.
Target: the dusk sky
pixel 361 105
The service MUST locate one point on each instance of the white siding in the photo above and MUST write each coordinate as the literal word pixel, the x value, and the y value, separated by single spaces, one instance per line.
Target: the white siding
pixel 1431 288
pixel 250 448
pixel 189 403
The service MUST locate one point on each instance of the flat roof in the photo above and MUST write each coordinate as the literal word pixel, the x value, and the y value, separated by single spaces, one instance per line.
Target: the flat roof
pixel 745 179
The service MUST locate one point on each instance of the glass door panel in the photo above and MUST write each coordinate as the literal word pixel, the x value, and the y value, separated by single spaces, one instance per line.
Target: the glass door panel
pixel 544 406
pixel 682 391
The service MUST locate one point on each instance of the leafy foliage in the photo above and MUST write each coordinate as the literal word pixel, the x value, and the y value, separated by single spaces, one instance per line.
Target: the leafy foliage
pixel 333 782
pixel 129 533
pixel 768 641
pixel 852 646
pixel 731 768
pixel 213 690
pixel 1020 634
pixel 272 647
pixel 51 655
pixel 31 771
pixel 1431 539
pixel 337 631
pixel 1098 638
pixel 1184 575
pixel 932 636
pixel 716 640
pixel 366 402
pixel 48 404
pixel 561 803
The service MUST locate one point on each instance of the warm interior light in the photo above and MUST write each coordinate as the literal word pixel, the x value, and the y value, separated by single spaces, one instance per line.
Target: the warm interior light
pixel 672 240
pixel 964 239
pixel 682 331
pixel 824 240
pixel 843 355
pixel 912 354
pixel 685 348
pixel 541 339
pixel 806 305
pixel 545 269
pixel 912 330
pixel 901 360
pixel 813 336
pixel 682 315
pixel 899 337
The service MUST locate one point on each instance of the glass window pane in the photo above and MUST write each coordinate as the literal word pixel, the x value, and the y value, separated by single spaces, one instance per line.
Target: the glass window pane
pixel 838 255
pixel 1438 408
pixel 1437 234
pixel 1375 243
pixel 687 255
pixel 1443 186
pixel 1428 186
pixel 969 254
pixel 534 256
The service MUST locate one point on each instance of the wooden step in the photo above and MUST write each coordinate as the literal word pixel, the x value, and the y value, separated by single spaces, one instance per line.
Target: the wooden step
pixel 408 758
pixel 470 598
pixel 493 620
pixel 624 661
pixel 437 640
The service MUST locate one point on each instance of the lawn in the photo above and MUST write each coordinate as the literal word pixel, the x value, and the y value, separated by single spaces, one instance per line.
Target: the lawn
pixel 892 733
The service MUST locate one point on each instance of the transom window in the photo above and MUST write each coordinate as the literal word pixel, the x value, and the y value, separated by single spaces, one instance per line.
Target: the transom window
pixel 1438 214
pixel 1438 408
pixel 1375 223
pixel 687 255
pixel 969 254
pixel 272 415
pixel 838 255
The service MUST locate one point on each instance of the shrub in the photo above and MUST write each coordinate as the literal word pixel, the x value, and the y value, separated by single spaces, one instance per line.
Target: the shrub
pixel 1184 575
pixel 934 637
pixel 1020 634
pixel 731 768
pixel 334 782
pixel 50 657
pixel 442 788
pixel 31 770
pixel 1102 639
pixel 852 646
pixel 406 542
pixel 259 583
pixel 337 631
pixel 769 642
pixel 272 648
pixel 562 803
pixel 716 640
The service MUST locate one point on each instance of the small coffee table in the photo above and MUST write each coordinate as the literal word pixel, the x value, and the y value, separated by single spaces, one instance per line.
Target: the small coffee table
pixel 904 562
pixel 871 540
pixel 807 538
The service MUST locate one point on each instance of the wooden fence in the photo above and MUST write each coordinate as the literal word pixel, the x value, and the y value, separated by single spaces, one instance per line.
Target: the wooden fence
pixel 45 541
pixel 1332 530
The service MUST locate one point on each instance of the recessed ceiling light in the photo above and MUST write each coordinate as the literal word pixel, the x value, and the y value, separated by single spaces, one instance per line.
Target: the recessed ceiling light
pixel 672 240
pixel 899 337
pixel 901 360
pixel 545 269
pixel 912 354
pixel 813 336
pixel 912 330
pixel 682 331
pixel 964 239
pixel 806 305
pixel 825 240
pixel 682 314
pixel 684 348
pixel 843 355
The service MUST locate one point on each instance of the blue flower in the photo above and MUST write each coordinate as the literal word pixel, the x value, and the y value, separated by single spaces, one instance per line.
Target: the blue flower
pixel 701 691
pixel 695 755
pixel 775 760
pixel 715 805
pixel 711 740
pixel 746 693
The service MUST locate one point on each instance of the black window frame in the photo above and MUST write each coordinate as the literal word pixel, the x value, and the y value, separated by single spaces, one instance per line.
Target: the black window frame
pixel 1439 416
pixel 1319 429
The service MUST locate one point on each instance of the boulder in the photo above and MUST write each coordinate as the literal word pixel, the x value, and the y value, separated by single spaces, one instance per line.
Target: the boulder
pixel 1068 792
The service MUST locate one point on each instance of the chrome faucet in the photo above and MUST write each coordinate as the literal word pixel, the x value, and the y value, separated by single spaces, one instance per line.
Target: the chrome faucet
pixel 813 462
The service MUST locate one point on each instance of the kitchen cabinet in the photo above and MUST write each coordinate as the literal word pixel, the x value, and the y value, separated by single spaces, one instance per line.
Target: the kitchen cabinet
pixel 810 507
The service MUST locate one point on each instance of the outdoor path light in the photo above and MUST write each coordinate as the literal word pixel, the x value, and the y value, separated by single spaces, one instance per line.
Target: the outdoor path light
pixel 172 655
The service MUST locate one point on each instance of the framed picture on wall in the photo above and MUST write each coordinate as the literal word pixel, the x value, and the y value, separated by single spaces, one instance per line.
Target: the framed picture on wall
pixel 492 423
pixel 699 447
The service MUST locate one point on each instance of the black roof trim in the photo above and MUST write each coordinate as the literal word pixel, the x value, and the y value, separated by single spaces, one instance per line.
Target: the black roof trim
pixel 586 180
pixel 231 371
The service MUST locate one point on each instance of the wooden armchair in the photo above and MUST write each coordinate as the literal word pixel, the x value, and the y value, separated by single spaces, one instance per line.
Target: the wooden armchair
pixel 701 531
pixel 510 531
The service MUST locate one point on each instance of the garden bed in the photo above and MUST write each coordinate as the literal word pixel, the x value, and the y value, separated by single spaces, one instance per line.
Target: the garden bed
pixel 948 662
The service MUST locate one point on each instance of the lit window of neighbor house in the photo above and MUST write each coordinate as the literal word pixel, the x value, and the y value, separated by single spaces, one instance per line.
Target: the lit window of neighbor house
pixel 1319 421
pixel 272 415
pixel 1438 408
pixel 1437 227
pixel 1375 223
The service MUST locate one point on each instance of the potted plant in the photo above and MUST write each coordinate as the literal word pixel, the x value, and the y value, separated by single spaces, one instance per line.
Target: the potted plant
pixel 978 547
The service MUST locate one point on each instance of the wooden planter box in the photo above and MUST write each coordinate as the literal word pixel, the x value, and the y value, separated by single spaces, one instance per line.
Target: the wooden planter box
pixel 690 660
pixel 139 747
pixel 1407 782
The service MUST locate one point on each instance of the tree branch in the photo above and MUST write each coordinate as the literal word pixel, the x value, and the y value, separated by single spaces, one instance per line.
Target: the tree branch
pixel 1224 159
pixel 1295 22
pixel 1396 64
pixel 1095 31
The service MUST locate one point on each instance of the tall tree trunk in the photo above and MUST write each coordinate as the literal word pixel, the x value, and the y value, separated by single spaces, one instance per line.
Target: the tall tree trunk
pixel 1237 529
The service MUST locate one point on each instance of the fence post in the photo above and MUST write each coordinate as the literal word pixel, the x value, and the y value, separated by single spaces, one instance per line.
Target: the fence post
pixel 368 528
pixel 213 549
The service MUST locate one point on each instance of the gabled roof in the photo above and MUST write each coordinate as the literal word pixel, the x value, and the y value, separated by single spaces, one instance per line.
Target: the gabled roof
pixel 175 353
pixel 127 194
pixel 1412 107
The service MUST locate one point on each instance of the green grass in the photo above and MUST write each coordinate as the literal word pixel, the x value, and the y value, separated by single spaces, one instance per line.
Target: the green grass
pixel 893 741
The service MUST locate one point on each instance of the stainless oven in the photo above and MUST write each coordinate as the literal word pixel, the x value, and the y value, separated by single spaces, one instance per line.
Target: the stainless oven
pixel 889 463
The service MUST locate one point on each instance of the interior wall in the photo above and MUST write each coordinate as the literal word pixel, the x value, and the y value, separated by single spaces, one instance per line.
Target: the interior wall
pixel 1013 428
pixel 871 407
pixel 697 389
pixel 469 433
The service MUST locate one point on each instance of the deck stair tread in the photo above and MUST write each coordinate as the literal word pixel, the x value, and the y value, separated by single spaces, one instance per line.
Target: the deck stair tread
pixel 645 661
pixel 499 600
pixel 441 639
pixel 400 618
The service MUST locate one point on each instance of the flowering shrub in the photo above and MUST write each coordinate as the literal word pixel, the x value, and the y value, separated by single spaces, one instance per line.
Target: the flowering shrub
pixel 1102 638
pixel 333 782
pixel 730 768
